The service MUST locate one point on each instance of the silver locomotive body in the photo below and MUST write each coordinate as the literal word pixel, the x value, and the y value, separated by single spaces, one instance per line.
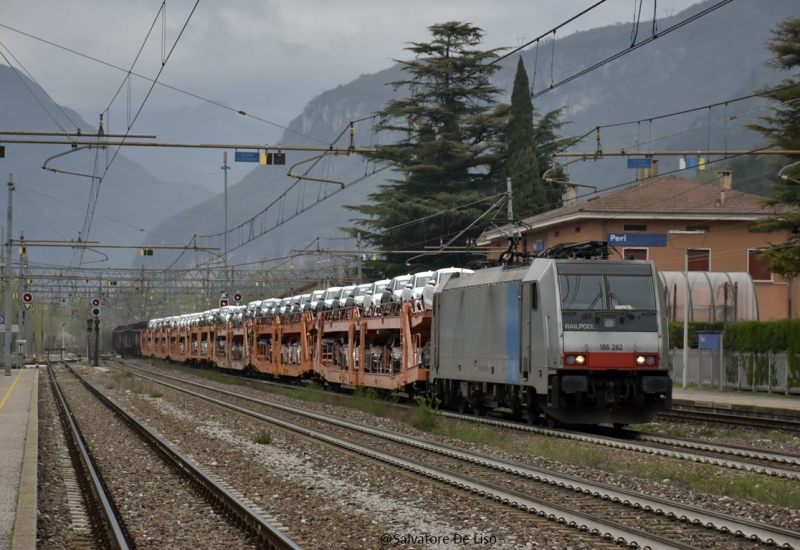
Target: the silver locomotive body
pixel 578 341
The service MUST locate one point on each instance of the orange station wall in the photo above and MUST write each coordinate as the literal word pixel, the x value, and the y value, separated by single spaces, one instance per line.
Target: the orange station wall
pixel 728 241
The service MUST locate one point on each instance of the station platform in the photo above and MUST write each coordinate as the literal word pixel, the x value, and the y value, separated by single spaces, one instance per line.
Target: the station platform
pixel 19 439
pixel 752 403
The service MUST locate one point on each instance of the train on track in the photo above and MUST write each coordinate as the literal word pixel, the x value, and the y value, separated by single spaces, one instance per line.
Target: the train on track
pixel 563 338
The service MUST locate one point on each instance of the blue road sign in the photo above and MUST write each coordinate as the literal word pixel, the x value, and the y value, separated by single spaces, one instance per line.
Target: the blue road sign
pixel 639 163
pixel 2 320
pixel 241 156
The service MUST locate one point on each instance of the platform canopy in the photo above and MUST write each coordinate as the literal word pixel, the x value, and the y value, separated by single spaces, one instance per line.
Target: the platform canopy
pixel 715 295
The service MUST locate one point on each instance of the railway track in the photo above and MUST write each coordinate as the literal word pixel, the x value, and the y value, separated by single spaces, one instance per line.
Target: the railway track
pixel 609 512
pixel 86 493
pixel 743 458
pixel 728 418
pixel 232 510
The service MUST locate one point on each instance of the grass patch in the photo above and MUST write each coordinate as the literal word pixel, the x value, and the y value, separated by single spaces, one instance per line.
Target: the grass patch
pixel 367 400
pixel 780 436
pixel 425 415
pixel 155 394
pixel 311 393
pixel 264 438
pixel 682 474
pixel 473 434
pixel 591 456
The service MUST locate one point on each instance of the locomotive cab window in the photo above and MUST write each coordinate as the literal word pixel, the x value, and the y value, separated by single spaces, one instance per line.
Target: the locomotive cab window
pixel 631 292
pixel 583 292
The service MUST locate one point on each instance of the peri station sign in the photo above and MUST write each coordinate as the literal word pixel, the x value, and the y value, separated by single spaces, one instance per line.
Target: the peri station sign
pixel 637 239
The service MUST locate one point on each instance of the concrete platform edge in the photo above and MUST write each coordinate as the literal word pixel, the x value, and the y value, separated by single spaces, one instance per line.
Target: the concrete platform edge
pixel 24 533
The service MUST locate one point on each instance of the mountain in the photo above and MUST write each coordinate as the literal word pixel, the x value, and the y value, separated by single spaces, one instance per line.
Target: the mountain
pixel 718 57
pixel 53 206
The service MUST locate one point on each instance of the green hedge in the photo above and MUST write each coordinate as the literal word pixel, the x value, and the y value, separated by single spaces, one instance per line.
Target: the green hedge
pixel 763 336
pixel 676 332
pixel 756 338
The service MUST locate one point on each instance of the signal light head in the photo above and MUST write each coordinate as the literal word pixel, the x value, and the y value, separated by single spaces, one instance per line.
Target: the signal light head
pixel 237 297
pixel 27 297
pixel 95 302
pixel 223 302
pixel 96 311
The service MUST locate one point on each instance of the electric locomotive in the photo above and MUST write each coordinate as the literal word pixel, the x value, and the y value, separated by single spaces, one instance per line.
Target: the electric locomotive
pixel 580 341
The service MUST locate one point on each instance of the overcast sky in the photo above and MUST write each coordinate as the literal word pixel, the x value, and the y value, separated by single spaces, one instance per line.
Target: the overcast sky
pixel 266 57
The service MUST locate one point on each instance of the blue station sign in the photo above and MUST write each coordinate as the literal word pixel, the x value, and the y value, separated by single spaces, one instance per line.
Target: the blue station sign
pixel 639 163
pixel 637 239
pixel 708 341
pixel 245 156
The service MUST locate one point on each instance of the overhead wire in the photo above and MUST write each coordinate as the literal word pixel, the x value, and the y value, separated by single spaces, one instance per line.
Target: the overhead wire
pixel 35 96
pixel 174 88
pixel 622 53
pixel 493 62
pixel 144 101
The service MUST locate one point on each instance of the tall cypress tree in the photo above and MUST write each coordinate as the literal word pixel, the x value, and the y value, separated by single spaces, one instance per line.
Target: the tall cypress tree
pixel 445 157
pixel 522 164
pixel 528 151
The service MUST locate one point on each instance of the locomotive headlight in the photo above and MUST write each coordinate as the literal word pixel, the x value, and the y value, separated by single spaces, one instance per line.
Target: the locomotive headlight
pixel 640 360
pixel 570 359
pixel 651 360
pixel 580 359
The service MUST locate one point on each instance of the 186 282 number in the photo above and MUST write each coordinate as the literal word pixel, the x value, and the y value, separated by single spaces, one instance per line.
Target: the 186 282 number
pixel 610 347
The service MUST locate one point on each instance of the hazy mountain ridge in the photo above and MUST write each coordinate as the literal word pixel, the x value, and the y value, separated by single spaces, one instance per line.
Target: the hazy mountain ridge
pixel 51 205
pixel 701 63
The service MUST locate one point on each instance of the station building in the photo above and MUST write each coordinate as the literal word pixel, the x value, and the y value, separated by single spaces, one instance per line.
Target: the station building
pixel 727 277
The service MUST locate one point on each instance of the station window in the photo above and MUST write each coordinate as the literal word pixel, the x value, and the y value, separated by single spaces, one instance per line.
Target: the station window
pixel 699 259
pixel 556 233
pixel 634 253
pixel 578 229
pixel 757 267
pixel 634 227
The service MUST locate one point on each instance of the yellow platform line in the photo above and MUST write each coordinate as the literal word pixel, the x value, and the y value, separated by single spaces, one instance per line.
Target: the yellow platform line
pixel 3 402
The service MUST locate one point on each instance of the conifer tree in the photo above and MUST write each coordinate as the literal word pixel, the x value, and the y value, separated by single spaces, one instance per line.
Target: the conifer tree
pixel 528 147
pixel 783 129
pixel 445 157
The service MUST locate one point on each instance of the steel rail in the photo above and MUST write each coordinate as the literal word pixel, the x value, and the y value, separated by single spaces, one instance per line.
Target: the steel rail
pixel 688 513
pixel 266 532
pixel 730 419
pixel 107 514
pixel 600 527
pixel 627 445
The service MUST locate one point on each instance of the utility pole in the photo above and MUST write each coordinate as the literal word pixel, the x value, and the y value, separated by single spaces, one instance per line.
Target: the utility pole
pixel 359 257
pixel 21 308
pixel 510 210
pixel 7 281
pixel 96 341
pixel 225 169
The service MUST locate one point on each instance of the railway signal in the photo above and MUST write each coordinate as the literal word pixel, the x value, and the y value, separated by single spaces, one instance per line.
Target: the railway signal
pixel 96 307
pixel 223 302
pixel 237 298
pixel 27 298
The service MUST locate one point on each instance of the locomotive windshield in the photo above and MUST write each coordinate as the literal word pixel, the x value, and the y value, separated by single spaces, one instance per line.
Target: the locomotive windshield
pixel 633 292
pixel 582 292
pixel 607 292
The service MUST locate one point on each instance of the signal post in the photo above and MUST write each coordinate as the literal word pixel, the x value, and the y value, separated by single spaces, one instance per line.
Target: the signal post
pixel 96 315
